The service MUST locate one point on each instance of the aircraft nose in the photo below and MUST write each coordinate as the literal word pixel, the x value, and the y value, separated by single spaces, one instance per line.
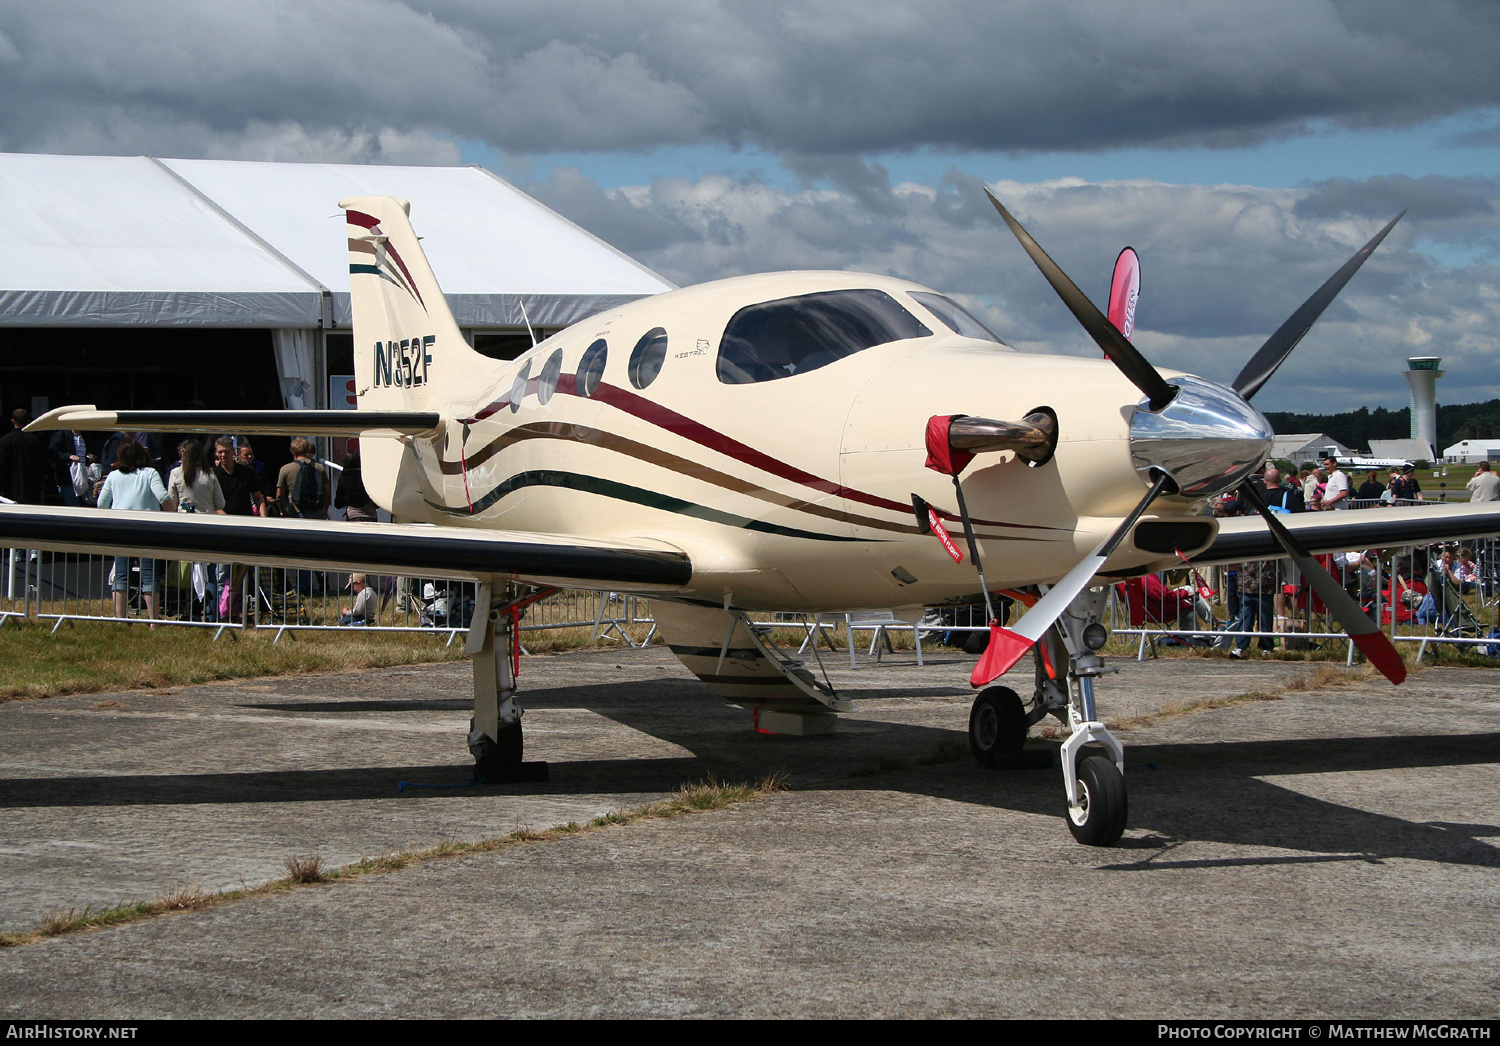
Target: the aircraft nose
pixel 1207 439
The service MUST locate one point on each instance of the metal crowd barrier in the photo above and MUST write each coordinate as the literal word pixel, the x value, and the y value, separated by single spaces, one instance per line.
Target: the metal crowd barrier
pixel 1453 616
pixel 65 588
pixel 69 587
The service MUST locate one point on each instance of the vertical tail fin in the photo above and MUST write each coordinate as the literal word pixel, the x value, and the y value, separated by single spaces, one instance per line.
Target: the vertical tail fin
pixel 408 351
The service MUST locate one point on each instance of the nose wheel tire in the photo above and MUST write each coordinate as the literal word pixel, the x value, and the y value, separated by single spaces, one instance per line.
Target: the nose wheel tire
pixel 997 725
pixel 1099 817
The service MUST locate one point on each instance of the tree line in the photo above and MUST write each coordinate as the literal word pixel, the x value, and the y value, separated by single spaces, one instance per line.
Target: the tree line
pixel 1356 428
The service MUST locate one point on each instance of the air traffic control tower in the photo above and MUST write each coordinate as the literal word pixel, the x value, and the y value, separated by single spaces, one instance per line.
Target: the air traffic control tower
pixel 1422 374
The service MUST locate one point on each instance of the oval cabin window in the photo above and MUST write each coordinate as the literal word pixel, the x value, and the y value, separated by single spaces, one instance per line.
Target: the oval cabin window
pixel 546 384
pixel 518 387
pixel 647 356
pixel 591 368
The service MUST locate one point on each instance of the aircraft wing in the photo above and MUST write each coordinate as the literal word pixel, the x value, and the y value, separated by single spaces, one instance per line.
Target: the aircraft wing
pixel 383 548
pixel 87 417
pixel 1246 537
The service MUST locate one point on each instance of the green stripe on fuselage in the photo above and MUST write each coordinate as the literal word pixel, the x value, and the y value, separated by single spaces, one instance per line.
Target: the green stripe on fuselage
pixel 624 492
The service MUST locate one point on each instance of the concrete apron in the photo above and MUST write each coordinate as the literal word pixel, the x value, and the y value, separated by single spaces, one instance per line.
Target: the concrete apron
pixel 1330 853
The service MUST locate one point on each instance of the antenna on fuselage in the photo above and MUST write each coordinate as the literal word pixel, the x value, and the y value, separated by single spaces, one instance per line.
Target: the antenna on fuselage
pixel 527 318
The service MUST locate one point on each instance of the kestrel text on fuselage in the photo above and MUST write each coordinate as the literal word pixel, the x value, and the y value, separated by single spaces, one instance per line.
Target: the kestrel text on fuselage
pixel 405 362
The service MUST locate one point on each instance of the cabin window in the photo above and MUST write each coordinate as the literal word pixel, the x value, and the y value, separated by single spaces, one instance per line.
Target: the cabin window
pixel 957 318
pixel 647 356
pixel 591 368
pixel 546 384
pixel 776 339
pixel 518 387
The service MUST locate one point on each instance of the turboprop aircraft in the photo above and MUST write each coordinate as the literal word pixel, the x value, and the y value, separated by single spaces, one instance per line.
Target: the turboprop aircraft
pixel 797 441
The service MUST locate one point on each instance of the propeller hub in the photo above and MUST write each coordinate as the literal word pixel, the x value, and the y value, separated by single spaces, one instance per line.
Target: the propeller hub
pixel 1207 439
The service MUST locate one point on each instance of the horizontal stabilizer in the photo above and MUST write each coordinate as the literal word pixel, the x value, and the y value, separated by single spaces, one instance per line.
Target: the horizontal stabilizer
pixel 427 424
pixel 382 548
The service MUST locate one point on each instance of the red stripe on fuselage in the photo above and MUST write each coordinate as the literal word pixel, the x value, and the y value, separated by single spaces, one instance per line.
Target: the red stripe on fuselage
pixel 654 413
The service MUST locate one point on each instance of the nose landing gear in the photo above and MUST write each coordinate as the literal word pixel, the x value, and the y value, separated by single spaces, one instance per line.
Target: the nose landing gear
pixel 1093 761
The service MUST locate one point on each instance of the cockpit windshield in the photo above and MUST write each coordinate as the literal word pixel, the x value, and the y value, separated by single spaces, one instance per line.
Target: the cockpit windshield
pixel 776 339
pixel 958 319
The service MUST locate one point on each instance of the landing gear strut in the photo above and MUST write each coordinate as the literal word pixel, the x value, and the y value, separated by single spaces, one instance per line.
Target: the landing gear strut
pixel 1093 761
pixel 495 737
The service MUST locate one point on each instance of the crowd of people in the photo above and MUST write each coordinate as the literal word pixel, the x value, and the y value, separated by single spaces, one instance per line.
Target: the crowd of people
pixel 1264 596
pixel 1326 487
pixel 1259 594
pixel 220 475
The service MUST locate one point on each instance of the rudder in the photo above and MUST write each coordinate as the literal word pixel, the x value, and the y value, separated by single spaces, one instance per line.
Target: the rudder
pixel 408 350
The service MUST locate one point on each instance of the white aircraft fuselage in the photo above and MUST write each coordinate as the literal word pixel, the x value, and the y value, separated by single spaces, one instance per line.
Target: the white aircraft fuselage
pixel 790 493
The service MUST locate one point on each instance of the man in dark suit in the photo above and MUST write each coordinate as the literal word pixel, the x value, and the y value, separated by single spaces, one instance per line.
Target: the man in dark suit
pixel 23 462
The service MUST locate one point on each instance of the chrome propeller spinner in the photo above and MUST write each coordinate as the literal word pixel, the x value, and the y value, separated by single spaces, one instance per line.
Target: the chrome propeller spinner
pixel 1207 440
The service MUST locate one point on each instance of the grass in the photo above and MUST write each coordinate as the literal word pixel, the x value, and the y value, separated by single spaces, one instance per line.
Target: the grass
pixel 100 657
pixel 305 872
pixel 1324 677
pixel 97 657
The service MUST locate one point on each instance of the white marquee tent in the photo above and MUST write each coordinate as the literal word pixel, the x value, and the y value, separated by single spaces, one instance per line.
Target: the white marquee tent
pixel 119 242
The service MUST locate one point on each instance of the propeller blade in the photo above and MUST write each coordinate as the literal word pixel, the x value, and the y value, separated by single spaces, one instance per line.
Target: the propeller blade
pixel 1366 634
pixel 1007 646
pixel 1115 345
pixel 1279 346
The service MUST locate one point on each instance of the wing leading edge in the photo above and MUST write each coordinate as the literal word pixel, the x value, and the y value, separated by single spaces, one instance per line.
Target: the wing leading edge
pixel 1246 538
pixel 422 551
pixel 273 422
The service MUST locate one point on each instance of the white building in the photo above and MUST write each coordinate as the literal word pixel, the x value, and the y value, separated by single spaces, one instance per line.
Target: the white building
pixel 1298 447
pixel 1473 451
pixel 1400 449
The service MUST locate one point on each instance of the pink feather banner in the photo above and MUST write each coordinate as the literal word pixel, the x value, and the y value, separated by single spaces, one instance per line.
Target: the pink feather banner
pixel 1125 291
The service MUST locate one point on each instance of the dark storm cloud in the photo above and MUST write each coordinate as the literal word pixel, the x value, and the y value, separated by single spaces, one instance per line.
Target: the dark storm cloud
pixel 810 81
pixel 1431 198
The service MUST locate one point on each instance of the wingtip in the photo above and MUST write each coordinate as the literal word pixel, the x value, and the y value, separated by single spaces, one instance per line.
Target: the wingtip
pixel 70 416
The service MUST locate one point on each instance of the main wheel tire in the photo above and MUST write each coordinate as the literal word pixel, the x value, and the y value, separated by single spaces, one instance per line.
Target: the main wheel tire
pixel 997 725
pixel 1099 819
pixel 501 755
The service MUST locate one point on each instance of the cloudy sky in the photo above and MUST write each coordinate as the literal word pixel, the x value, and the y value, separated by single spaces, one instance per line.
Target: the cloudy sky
pixel 1244 149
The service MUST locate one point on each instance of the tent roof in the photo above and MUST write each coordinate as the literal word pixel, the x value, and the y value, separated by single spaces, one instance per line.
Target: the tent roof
pixel 127 241
pixel 1293 443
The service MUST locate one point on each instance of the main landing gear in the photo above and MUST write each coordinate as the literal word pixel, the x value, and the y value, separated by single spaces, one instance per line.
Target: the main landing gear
pixel 1093 761
pixel 997 725
pixel 495 737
